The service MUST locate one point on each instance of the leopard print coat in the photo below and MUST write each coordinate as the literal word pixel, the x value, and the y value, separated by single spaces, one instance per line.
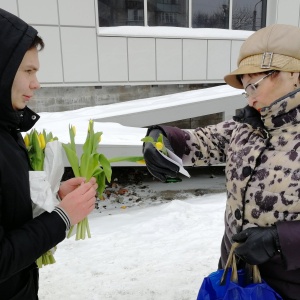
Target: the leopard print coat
pixel 262 164
pixel 261 152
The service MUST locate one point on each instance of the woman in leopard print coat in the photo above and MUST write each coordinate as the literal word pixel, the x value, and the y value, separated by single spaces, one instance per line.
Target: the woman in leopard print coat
pixel 261 149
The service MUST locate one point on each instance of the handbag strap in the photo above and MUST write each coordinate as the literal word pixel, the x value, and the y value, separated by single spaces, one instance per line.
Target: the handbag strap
pixel 256 275
pixel 231 263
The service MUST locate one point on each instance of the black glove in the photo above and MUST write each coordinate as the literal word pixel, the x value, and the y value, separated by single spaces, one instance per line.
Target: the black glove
pixel 249 115
pixel 259 244
pixel 157 165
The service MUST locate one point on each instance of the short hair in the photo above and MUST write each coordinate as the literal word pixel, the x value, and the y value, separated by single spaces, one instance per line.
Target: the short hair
pixel 37 43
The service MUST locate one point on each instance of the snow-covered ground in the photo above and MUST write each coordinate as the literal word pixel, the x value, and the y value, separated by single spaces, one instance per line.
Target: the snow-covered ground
pixel 156 252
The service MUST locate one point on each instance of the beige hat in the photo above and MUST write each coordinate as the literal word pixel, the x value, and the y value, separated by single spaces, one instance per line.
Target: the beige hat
pixel 275 47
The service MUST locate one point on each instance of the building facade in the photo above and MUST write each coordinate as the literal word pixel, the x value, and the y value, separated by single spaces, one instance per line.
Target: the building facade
pixel 105 51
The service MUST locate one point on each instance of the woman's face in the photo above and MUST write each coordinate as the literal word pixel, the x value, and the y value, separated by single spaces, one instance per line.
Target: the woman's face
pixel 25 82
pixel 270 88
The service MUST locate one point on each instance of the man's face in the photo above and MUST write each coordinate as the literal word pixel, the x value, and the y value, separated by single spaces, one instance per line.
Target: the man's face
pixel 25 82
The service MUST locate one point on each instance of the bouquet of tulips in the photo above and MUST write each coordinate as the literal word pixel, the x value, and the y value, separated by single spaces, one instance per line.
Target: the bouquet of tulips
pixel 90 164
pixel 36 143
pixel 45 155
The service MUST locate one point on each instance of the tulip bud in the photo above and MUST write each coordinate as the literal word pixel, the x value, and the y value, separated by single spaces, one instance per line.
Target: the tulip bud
pixel 159 146
pixel 91 123
pixel 42 141
pixel 74 130
pixel 26 140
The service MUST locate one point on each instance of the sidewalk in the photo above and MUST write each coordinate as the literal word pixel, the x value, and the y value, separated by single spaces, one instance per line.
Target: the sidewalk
pixel 132 188
pixel 203 180
pixel 136 187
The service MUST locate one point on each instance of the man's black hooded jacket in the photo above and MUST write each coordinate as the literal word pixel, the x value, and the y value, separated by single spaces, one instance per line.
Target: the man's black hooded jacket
pixel 22 238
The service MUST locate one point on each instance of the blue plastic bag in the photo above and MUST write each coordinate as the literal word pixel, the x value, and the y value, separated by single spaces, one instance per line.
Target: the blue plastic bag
pixel 230 284
pixel 212 290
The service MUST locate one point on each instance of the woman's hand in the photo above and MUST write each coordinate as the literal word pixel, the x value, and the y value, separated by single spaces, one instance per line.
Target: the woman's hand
pixel 257 244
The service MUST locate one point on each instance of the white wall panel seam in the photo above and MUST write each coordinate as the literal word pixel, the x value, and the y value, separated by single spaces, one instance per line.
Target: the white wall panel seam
pixel 128 71
pixel 181 59
pixel 18 10
pixel 299 16
pixel 277 10
pixel 96 38
pixel 207 54
pixel 60 40
pixel 230 57
pixel 155 61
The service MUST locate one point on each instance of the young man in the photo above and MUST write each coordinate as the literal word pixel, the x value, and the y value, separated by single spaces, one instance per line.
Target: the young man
pixel 22 238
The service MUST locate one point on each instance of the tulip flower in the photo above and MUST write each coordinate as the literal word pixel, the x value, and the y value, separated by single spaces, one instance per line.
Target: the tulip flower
pixel 159 144
pixel 42 141
pixel 26 140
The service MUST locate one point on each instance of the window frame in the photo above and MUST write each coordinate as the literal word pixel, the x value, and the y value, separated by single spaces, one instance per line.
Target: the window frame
pixel 189 11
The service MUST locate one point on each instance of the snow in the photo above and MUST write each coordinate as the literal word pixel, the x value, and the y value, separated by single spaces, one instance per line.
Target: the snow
pixel 159 252
pixel 114 133
pixel 164 31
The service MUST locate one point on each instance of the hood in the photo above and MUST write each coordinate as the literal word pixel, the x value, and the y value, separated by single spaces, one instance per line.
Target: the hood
pixel 16 37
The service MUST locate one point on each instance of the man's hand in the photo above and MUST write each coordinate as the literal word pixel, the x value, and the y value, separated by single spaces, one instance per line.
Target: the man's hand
pixel 80 200
pixel 258 244
pixel 157 165
pixel 71 184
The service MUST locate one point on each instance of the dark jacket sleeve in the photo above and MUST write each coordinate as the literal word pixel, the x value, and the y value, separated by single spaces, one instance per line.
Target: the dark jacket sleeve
pixel 20 248
pixel 289 233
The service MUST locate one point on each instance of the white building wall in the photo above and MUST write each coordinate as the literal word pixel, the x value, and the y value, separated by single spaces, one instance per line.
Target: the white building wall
pixel 141 59
pixel 113 59
pixel 43 12
pixel 288 12
pixel 77 53
pixel 9 5
pixel 51 58
pixel 194 59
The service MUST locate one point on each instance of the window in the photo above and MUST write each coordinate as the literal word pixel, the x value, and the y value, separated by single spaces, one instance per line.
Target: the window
pixel 249 14
pixel 135 16
pixel 168 13
pixel 227 14
pixel 121 13
pixel 210 14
